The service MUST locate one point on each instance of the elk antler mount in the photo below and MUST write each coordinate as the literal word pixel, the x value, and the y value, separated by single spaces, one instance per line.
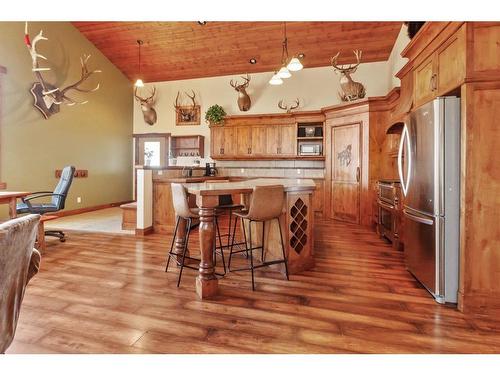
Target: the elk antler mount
pixel 244 102
pixel 187 114
pixel 147 109
pixel 290 108
pixel 351 90
pixel 47 96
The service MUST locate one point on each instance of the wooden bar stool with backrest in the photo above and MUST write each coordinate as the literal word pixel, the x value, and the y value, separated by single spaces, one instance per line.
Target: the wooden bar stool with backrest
pixel 266 204
pixel 184 212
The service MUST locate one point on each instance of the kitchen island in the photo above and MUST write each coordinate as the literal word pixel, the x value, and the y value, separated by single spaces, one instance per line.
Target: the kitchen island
pixel 297 223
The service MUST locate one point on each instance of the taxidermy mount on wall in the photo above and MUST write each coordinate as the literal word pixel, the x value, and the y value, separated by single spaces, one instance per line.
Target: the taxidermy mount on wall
pixel 244 102
pixel 47 96
pixel 147 109
pixel 288 108
pixel 351 90
pixel 187 115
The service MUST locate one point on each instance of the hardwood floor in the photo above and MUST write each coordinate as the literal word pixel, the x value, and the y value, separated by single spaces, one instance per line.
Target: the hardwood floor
pixel 100 293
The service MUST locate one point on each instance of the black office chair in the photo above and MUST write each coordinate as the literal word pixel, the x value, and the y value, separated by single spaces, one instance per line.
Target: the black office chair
pixel 57 202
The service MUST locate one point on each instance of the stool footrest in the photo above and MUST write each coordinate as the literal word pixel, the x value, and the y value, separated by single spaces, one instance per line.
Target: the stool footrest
pixel 265 264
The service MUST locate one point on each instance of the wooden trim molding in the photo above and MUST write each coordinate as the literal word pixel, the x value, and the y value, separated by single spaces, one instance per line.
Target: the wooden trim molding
pixel 144 231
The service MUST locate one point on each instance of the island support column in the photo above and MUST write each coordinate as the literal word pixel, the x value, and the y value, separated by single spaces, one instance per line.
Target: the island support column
pixel 144 220
pixel 206 282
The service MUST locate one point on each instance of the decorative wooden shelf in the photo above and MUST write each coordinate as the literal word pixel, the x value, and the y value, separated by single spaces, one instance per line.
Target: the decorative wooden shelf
pixel 188 143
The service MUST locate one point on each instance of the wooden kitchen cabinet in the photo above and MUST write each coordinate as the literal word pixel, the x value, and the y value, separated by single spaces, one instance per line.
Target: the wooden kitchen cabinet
pixel 466 62
pixel 272 140
pixel 222 142
pixel 450 63
pixel 258 145
pixel 424 81
pixel 442 71
pixel 243 140
pixel 261 137
pixel 288 140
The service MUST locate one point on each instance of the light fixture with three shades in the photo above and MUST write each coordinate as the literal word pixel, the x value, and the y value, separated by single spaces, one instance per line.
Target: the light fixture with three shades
pixel 293 65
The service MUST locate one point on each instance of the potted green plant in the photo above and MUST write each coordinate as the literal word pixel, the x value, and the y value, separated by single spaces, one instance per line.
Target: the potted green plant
pixel 215 115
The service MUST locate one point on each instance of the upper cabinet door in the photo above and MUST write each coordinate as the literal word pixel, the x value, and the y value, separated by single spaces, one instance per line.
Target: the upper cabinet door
pixel 217 141
pixel 288 140
pixel 259 146
pixel 425 82
pixel 229 148
pixel 272 140
pixel 450 63
pixel 243 140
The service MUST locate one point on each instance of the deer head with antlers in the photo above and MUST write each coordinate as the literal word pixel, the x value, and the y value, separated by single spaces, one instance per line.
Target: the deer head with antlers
pixel 351 90
pixel 290 108
pixel 47 96
pixel 244 102
pixel 187 114
pixel 147 109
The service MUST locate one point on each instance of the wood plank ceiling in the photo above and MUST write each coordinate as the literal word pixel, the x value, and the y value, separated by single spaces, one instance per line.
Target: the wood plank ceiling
pixel 183 50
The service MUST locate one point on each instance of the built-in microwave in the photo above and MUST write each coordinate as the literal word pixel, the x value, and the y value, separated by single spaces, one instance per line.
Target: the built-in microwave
pixel 310 149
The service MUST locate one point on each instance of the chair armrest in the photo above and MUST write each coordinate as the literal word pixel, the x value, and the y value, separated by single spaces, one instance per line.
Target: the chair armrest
pixel 40 195
pixel 37 195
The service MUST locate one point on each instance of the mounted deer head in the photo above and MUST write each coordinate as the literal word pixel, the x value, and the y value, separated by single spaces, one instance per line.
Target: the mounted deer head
pixel 286 107
pixel 147 109
pixel 187 113
pixel 47 96
pixel 244 102
pixel 351 90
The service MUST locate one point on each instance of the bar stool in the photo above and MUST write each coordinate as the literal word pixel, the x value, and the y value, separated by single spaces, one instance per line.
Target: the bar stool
pixel 184 212
pixel 266 204
pixel 226 205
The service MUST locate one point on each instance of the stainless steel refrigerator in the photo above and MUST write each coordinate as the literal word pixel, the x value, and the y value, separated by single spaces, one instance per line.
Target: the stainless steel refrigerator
pixel 429 170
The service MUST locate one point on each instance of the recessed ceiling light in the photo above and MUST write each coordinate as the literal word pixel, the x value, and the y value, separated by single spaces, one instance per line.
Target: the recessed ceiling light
pixel 253 60
pixel 301 55
pixel 202 23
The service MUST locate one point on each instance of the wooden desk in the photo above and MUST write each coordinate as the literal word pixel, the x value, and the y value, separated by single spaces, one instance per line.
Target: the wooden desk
pixel 10 198
pixel 299 247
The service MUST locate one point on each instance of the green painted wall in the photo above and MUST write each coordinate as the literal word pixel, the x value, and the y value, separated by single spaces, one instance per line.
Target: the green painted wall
pixel 96 136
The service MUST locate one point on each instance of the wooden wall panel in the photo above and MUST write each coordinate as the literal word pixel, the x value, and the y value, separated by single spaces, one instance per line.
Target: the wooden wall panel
pixel 480 232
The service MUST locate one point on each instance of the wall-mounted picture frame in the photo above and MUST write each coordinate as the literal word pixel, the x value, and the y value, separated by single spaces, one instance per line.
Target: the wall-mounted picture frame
pixel 188 115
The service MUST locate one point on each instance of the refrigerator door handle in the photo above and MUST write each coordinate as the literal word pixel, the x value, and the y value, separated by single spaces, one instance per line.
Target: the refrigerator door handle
pixel 418 219
pixel 405 137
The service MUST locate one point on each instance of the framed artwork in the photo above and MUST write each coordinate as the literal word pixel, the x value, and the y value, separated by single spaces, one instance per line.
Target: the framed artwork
pixel 188 115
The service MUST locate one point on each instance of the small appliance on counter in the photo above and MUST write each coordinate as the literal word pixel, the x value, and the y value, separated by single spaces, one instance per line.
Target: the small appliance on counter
pixel 210 169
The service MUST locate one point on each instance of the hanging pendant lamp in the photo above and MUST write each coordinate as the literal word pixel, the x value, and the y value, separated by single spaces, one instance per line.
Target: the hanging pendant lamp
pixel 139 82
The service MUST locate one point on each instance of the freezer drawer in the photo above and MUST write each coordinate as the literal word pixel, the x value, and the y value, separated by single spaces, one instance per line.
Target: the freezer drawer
pixel 420 249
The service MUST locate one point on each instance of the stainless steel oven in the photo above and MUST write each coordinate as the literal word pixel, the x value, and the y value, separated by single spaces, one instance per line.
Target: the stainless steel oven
pixel 388 210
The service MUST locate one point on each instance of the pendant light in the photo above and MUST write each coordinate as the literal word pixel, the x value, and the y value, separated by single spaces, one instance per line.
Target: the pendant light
pixel 275 80
pixel 139 82
pixel 293 65
pixel 284 72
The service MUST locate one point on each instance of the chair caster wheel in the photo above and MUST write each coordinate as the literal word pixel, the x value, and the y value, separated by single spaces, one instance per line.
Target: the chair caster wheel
pixel 63 240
